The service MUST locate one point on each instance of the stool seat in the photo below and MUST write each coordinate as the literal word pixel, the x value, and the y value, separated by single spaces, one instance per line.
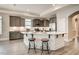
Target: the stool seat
pixel 44 40
pixel 30 42
pixel 32 39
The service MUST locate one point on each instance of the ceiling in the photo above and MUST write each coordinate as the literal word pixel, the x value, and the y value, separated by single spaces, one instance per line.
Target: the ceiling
pixel 34 9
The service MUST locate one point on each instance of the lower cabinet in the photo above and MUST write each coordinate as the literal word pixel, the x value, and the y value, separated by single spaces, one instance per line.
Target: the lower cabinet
pixel 15 35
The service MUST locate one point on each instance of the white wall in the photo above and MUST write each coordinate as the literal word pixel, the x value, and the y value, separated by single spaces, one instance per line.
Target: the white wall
pixel 0 24
pixel 5 27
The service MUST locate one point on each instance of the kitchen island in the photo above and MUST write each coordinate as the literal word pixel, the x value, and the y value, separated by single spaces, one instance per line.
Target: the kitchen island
pixel 56 39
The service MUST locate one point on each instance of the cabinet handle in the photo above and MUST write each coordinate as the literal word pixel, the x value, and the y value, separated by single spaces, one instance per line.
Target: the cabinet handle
pixel 62 35
pixel 56 36
pixel 49 35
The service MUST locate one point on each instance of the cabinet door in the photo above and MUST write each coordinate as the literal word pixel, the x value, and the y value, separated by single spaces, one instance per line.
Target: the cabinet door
pixel 22 22
pixel 12 21
pixel 17 21
pixel 17 35
pixel 34 22
pixel 37 23
pixel 46 23
pixel 41 23
pixel 12 35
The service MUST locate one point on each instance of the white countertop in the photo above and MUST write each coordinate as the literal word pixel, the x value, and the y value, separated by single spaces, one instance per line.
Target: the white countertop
pixel 43 32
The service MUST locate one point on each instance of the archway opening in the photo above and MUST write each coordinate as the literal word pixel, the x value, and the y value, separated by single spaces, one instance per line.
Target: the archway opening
pixel 73 25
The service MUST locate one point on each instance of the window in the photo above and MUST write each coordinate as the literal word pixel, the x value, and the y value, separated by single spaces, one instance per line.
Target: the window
pixel 0 24
pixel 28 23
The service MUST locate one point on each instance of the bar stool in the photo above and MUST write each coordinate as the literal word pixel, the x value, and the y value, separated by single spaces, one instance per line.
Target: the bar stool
pixel 30 41
pixel 43 42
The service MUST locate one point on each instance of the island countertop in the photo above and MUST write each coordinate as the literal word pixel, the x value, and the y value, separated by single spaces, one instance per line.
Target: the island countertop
pixel 44 32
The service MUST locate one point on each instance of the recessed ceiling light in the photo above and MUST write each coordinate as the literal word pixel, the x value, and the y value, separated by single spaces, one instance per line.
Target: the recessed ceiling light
pixel 53 4
pixel 14 4
pixel 27 10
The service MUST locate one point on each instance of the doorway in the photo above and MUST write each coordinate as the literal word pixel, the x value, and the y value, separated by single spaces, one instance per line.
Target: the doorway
pixel 73 28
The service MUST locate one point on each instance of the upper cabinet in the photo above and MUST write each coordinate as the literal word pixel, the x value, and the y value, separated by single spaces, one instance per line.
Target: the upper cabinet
pixel 22 22
pixel 16 21
pixel 36 23
pixel 46 23
pixel 53 19
pixel 12 21
pixel 40 23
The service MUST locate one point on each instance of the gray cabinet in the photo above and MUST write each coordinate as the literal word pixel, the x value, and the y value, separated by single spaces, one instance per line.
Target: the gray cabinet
pixel 15 35
pixel 22 22
pixel 12 21
pixel 36 23
pixel 40 23
pixel 17 21
pixel 46 23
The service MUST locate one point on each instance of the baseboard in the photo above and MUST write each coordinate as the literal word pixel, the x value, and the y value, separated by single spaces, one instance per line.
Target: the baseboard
pixel 69 40
pixel 4 39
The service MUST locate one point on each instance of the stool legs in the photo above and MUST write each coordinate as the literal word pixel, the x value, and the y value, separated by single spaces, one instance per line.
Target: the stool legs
pixel 43 47
pixel 47 48
pixel 30 46
pixel 34 47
